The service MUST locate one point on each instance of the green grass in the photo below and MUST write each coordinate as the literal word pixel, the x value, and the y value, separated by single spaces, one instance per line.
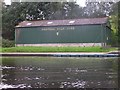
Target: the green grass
pixel 56 49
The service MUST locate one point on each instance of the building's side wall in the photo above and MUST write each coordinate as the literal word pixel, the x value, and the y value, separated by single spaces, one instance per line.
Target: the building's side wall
pixel 59 34
pixel 108 35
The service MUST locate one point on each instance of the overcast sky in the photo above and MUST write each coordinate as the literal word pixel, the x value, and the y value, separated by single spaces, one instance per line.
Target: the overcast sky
pixel 79 2
pixel 8 2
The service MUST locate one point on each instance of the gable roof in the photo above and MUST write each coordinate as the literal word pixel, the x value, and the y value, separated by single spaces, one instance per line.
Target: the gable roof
pixel 63 22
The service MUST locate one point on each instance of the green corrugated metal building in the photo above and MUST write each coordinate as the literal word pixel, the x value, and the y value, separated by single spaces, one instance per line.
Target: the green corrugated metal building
pixel 73 32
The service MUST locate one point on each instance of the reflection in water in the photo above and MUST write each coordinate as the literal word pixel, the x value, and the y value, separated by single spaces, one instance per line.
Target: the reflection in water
pixel 51 72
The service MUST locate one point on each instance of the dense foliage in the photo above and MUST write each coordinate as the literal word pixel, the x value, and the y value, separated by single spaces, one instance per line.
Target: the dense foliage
pixel 7 43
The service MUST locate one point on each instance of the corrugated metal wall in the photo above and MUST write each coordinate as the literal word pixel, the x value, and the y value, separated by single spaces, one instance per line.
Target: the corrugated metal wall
pixel 61 34
pixel 108 35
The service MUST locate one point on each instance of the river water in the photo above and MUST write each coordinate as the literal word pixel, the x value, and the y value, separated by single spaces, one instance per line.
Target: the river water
pixel 59 72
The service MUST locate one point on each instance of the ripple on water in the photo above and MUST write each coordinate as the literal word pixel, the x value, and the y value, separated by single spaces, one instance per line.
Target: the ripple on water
pixel 77 84
pixel 6 67
pixel 30 68
pixel 75 70
pixel 6 86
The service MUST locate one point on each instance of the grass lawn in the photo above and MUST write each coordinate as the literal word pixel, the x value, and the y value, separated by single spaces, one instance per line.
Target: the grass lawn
pixel 56 49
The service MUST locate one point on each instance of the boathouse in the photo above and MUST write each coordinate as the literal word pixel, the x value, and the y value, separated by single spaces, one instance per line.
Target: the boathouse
pixel 73 32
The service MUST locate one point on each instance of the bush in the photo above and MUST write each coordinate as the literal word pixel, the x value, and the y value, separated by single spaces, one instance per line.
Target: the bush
pixel 0 41
pixel 114 39
pixel 7 43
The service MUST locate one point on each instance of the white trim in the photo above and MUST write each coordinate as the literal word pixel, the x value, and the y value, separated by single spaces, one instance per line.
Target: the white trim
pixel 71 21
pixel 63 44
pixel 28 24
pixel 49 22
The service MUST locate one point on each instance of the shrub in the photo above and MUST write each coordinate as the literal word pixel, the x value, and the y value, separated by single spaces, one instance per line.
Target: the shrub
pixel 0 41
pixel 7 43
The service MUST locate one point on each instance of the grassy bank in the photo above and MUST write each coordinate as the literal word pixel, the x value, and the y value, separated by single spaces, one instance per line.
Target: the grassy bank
pixel 57 49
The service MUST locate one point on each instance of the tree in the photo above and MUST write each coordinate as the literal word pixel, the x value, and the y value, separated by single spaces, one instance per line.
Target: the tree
pixel 114 20
pixel 68 10
pixel 17 12
pixel 98 9
pixel 11 16
pixel 119 23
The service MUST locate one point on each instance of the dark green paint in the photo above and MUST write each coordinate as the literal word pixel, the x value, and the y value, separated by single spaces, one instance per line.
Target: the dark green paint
pixel 80 34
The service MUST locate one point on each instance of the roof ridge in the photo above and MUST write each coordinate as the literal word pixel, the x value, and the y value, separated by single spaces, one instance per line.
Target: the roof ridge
pixel 82 21
pixel 67 19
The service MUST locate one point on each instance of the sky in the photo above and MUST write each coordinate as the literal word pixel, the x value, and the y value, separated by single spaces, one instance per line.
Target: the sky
pixel 8 2
pixel 79 2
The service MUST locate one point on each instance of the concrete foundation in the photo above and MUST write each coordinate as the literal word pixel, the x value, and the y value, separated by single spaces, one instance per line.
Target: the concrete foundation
pixel 63 44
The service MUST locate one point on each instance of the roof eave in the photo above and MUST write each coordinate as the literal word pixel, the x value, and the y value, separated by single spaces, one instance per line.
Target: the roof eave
pixel 59 25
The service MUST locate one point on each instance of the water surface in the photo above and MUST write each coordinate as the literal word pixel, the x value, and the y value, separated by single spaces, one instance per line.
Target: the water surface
pixel 56 72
